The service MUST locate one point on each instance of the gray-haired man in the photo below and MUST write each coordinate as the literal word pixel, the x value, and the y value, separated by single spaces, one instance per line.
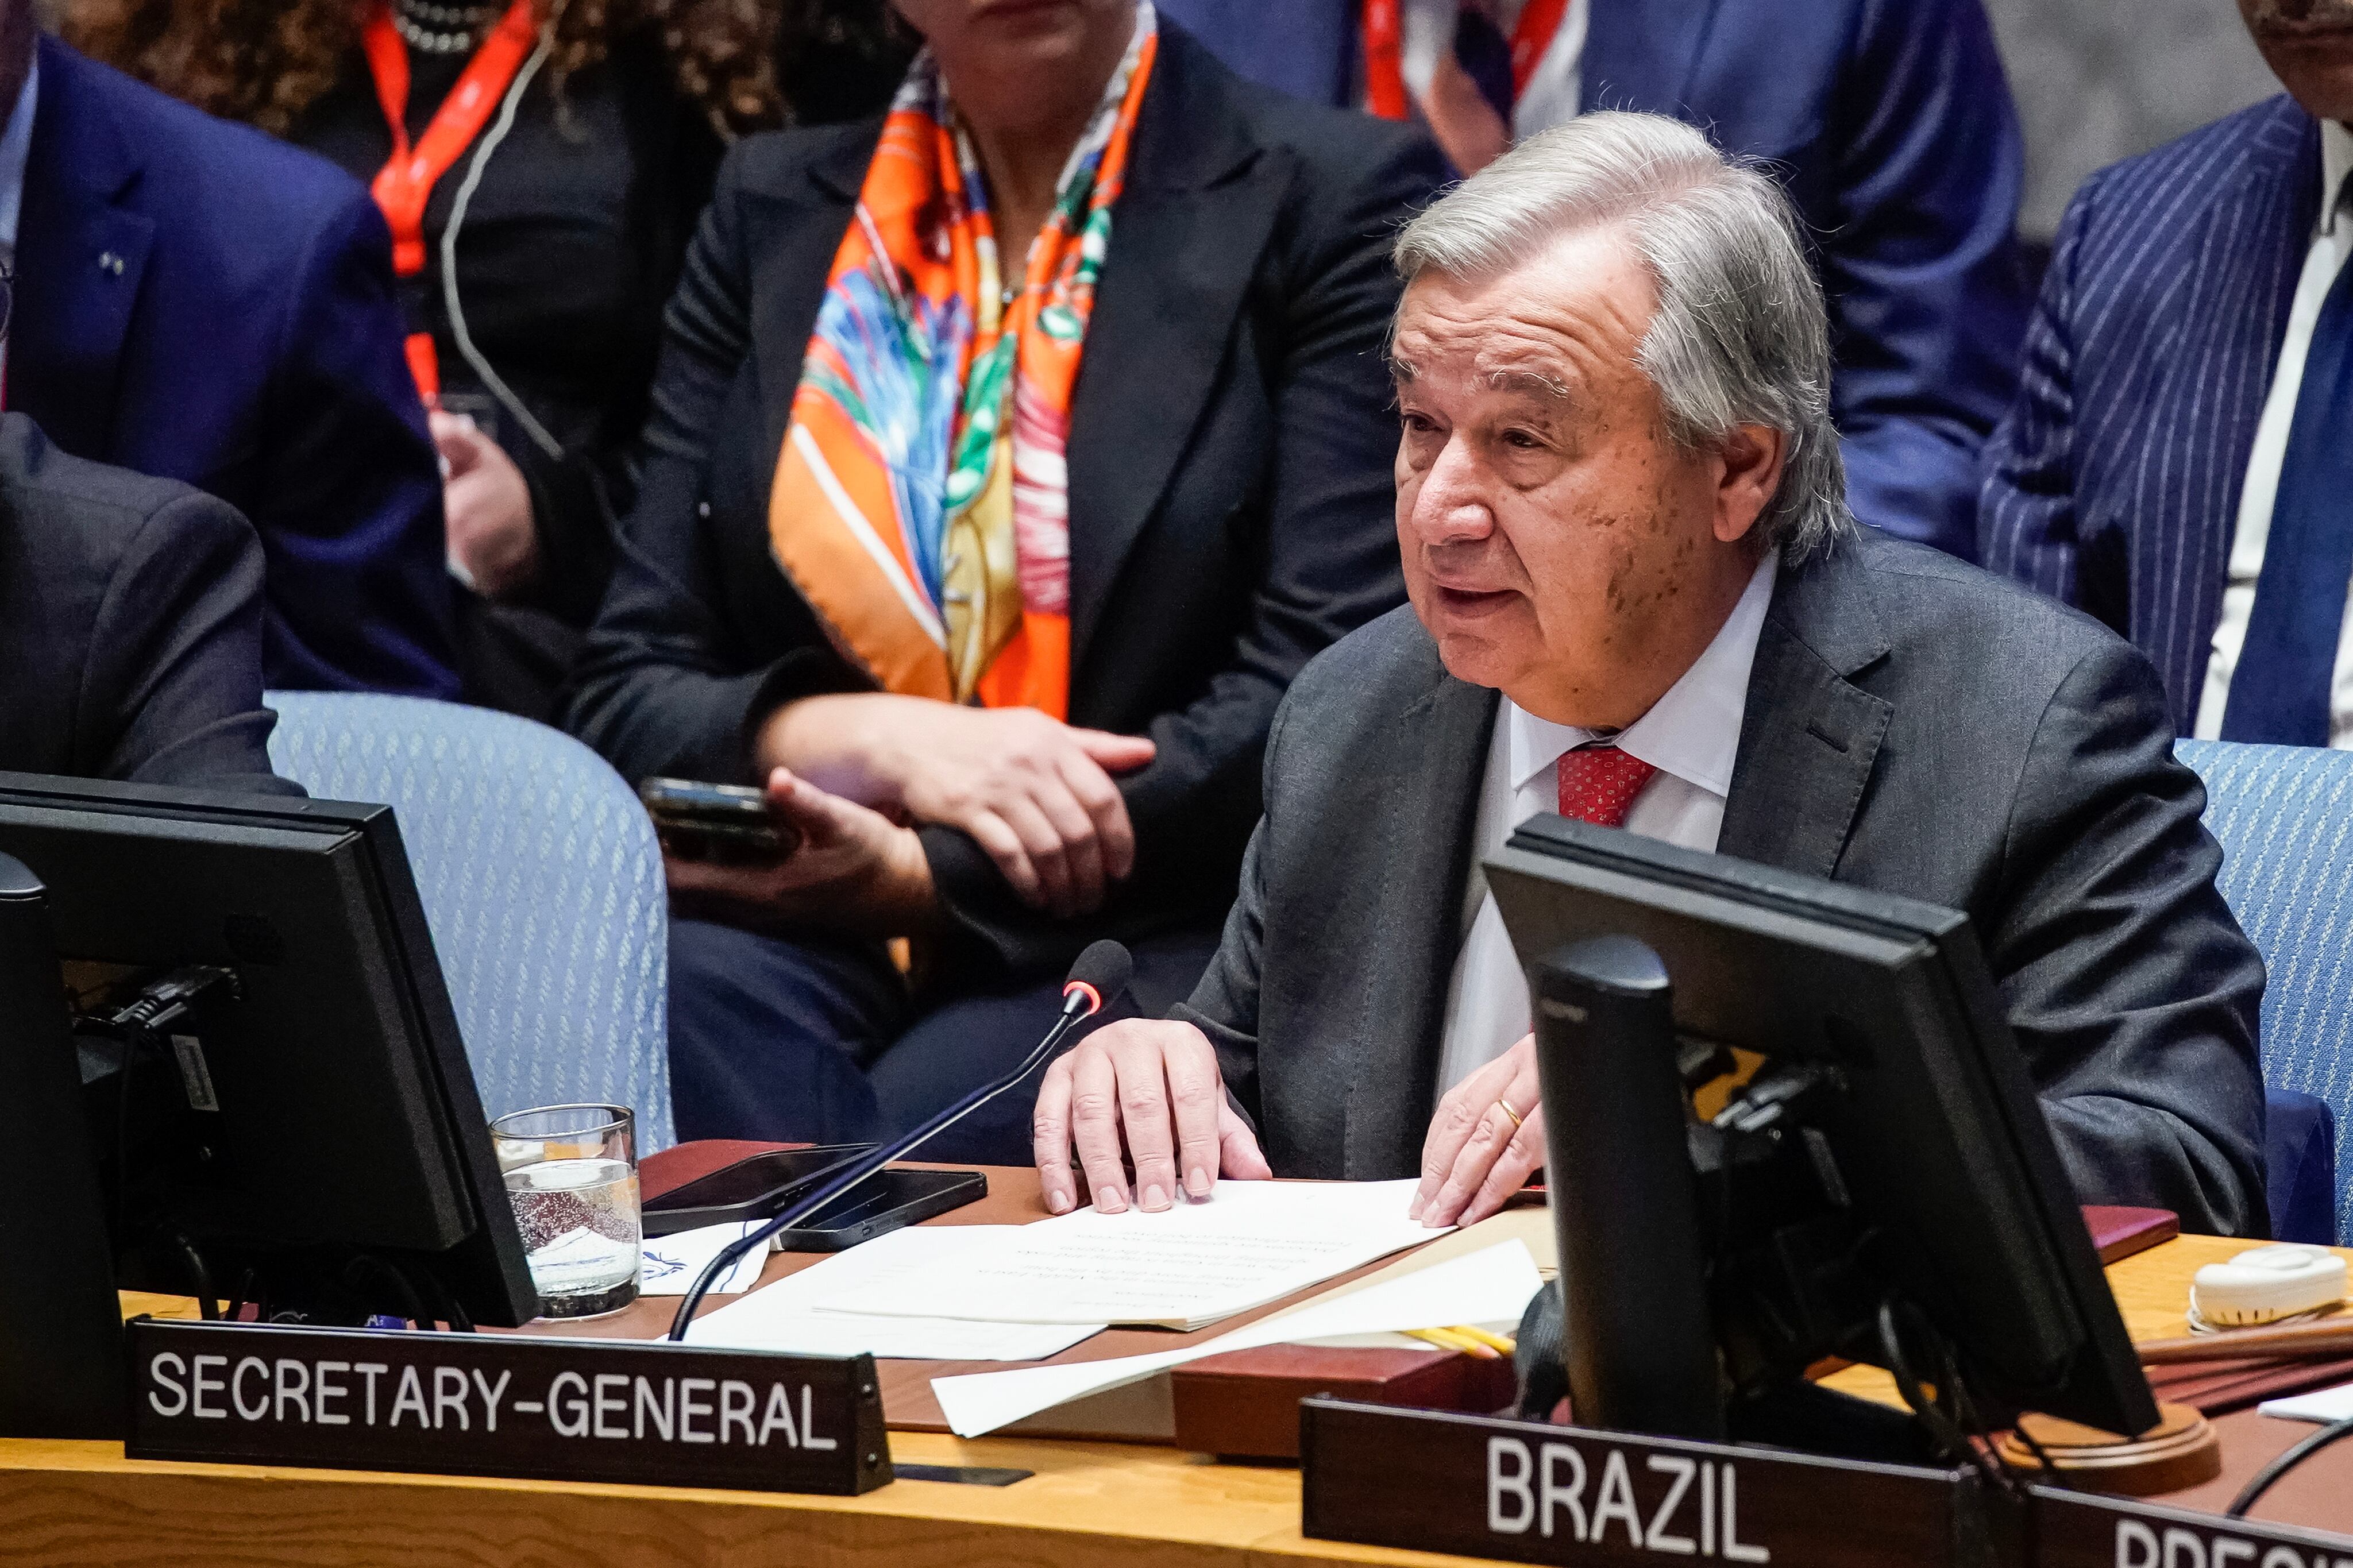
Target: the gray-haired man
pixel 1638 597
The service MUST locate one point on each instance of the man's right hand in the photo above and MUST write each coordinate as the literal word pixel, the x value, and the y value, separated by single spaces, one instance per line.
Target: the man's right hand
pixel 1034 793
pixel 1153 1088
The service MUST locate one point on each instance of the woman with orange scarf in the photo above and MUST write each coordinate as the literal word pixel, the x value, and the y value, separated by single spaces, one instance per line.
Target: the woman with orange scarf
pixel 1008 457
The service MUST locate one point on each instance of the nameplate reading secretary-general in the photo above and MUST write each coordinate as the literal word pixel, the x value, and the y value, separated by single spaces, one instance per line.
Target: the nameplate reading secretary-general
pixel 1639 598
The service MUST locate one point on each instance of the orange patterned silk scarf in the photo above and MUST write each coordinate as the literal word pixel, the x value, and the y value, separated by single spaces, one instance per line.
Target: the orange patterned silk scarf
pixel 921 501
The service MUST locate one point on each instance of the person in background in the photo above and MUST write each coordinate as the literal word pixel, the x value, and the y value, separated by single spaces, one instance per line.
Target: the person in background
pixel 2176 463
pixel 840 60
pixel 1639 599
pixel 131 627
pixel 1889 123
pixel 190 301
pixel 541 166
pixel 1009 456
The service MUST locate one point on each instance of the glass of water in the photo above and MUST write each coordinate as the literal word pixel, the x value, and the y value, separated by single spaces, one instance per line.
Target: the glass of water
pixel 570 1173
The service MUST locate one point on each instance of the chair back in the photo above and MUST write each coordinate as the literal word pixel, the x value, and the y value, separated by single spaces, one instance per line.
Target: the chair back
pixel 2285 817
pixel 541 881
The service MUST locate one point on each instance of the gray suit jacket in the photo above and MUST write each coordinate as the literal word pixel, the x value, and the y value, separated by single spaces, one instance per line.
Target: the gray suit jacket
pixel 130 626
pixel 1912 725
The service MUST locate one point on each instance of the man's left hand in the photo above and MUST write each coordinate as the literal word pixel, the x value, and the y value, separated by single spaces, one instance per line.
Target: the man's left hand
pixel 852 869
pixel 1476 1157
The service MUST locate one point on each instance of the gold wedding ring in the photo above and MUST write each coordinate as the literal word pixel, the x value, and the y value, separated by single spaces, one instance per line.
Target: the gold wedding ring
pixel 1505 1106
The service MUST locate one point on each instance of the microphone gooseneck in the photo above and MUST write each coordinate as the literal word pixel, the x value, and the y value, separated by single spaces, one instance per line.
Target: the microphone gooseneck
pixel 1101 972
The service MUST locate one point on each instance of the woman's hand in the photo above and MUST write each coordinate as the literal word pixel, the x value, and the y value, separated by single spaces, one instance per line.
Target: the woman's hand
pixel 1476 1157
pixel 486 505
pixel 854 868
pixel 1032 792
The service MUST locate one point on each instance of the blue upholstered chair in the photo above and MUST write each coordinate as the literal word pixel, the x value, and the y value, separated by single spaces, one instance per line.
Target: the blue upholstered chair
pixel 541 881
pixel 2284 816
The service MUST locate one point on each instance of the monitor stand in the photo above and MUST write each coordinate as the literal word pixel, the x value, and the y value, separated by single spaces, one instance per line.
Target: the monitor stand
pixel 1641 1271
pixel 61 1347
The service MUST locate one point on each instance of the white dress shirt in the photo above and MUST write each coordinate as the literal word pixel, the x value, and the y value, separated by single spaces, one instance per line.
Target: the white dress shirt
pixel 2332 242
pixel 1692 735
pixel 1425 27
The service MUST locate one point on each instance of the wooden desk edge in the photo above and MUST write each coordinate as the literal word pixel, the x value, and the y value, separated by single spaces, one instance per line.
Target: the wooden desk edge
pixel 76 1503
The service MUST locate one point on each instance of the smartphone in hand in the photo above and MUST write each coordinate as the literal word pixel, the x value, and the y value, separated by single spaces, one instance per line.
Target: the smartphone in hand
pixel 724 824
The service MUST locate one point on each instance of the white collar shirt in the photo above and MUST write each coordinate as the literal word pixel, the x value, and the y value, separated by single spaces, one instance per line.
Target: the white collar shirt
pixel 1692 735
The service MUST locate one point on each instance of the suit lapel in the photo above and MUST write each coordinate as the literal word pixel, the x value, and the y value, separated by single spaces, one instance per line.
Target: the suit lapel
pixel 2214 340
pixel 1809 738
pixel 792 254
pixel 1642 54
pixel 1430 792
pixel 82 253
pixel 1199 204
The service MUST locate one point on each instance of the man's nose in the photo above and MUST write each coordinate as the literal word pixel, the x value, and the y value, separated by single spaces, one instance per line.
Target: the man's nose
pixel 1452 505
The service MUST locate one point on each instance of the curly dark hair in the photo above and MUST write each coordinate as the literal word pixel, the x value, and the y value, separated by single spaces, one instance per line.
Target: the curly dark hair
pixel 266 61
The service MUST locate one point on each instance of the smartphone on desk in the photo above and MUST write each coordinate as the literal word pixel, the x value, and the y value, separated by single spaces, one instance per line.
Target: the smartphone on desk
pixel 725 824
pixel 763 1186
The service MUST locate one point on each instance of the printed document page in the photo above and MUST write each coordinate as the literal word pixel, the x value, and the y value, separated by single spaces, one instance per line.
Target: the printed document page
pixel 669 1264
pixel 1190 1264
pixel 1493 1286
pixel 902 1266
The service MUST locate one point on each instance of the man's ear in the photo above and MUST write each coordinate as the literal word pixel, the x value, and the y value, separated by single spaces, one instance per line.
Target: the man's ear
pixel 1749 475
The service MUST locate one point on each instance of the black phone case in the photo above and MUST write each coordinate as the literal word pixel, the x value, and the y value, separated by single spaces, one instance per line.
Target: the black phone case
pixel 880 1204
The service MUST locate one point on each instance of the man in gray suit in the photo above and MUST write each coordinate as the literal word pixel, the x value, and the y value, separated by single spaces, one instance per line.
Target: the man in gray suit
pixel 130 626
pixel 1638 597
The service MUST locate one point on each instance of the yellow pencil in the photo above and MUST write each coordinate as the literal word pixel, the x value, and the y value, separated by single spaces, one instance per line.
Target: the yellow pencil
pixel 1453 1339
pixel 1503 1343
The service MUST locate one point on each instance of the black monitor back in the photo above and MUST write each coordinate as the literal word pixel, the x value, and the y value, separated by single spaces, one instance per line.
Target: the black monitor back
pixel 62 1354
pixel 1940 1139
pixel 347 1115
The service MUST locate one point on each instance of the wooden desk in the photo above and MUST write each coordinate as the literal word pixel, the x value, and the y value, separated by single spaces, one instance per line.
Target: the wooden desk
pixel 79 1503
pixel 2153 1289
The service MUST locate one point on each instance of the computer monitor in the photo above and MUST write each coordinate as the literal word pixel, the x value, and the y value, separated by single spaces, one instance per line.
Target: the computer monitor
pixel 312 1123
pixel 1889 1152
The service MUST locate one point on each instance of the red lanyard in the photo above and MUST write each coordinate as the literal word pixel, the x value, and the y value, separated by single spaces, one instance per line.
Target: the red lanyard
pixel 1385 88
pixel 405 182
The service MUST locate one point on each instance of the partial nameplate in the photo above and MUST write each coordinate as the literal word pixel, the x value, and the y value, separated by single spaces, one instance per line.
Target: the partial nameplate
pixel 2074 1530
pixel 1484 1486
pixel 653 1414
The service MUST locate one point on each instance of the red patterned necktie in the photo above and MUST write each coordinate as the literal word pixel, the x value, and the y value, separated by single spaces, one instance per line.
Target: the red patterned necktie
pixel 1599 783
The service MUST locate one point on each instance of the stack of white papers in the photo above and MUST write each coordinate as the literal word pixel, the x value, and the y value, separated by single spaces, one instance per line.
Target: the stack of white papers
pixel 2328 1404
pixel 1185 1267
pixel 903 1267
pixel 1492 1286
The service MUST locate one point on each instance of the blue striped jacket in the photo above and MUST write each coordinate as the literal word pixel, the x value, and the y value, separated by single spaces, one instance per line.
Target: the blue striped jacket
pixel 2113 481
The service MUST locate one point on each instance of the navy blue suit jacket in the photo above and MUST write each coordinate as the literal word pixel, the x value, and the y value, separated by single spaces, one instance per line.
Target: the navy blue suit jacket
pixel 199 303
pixel 1889 122
pixel 2114 483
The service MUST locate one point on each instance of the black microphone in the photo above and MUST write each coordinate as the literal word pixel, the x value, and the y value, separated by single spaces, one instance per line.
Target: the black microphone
pixel 1096 981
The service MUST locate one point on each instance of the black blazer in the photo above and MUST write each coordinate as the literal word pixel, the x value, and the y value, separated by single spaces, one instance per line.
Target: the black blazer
pixel 571 248
pixel 1230 462
pixel 130 625
pixel 1912 725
